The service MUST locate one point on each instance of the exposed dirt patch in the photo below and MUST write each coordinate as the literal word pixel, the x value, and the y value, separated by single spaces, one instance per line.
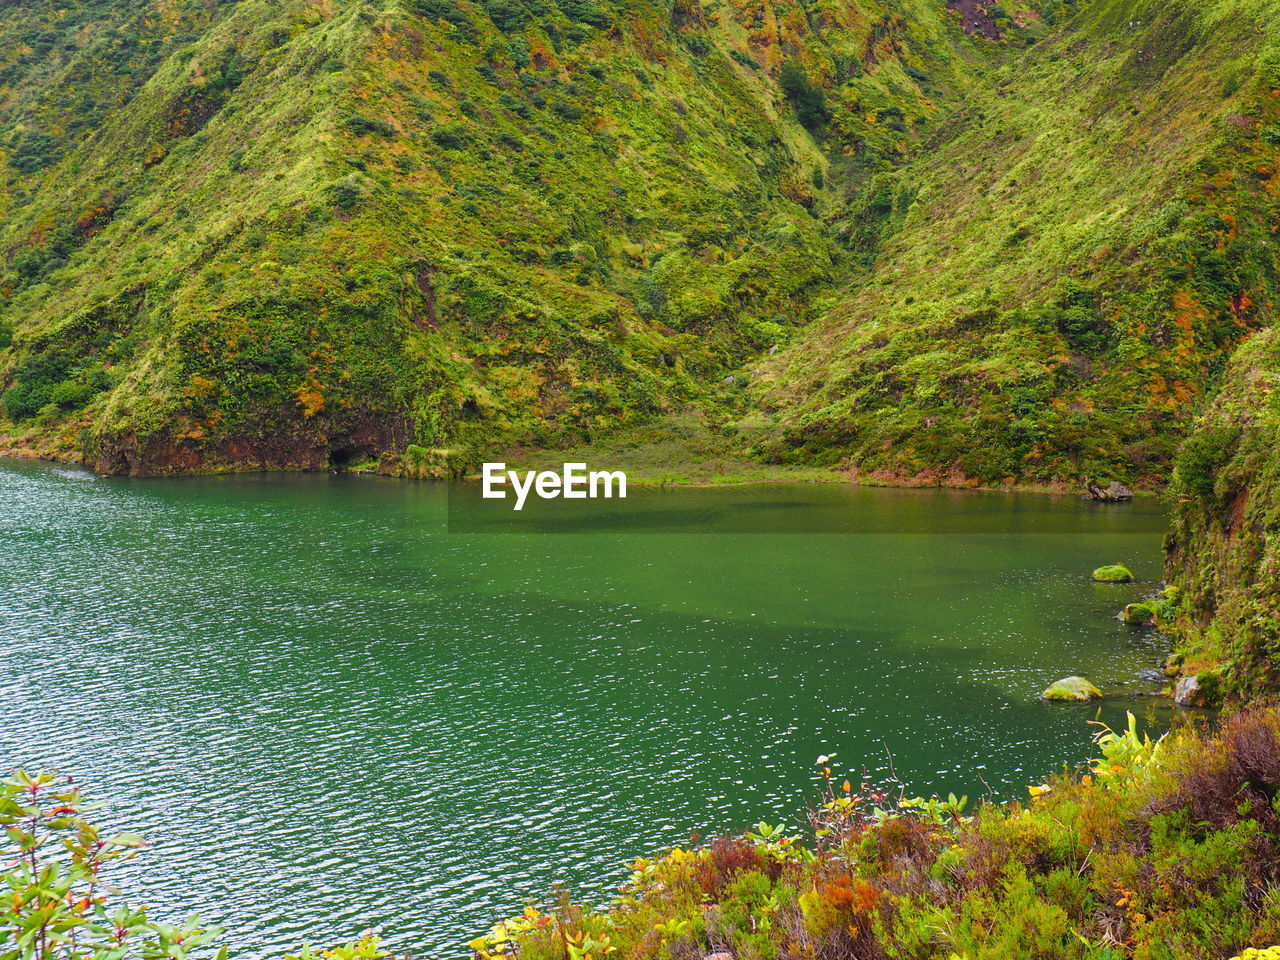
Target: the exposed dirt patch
pixel 974 18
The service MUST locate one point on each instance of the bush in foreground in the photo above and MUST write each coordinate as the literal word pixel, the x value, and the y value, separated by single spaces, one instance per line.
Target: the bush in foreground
pixel 56 903
pixel 1156 851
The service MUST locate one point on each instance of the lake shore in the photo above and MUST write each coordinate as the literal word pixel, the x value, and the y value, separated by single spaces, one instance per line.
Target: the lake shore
pixel 695 472
pixel 670 452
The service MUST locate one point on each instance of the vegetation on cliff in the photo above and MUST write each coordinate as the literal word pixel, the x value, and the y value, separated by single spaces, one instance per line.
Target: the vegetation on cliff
pixel 276 233
pixel 1064 271
pixel 1224 549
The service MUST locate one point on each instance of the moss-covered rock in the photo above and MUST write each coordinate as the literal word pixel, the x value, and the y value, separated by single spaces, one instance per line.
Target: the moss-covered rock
pixel 1113 573
pixel 1072 688
pixel 1142 614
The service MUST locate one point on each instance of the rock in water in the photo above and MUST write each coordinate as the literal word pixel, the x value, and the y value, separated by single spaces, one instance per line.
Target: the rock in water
pixel 1114 492
pixel 1072 688
pixel 1139 615
pixel 1114 573
pixel 1187 692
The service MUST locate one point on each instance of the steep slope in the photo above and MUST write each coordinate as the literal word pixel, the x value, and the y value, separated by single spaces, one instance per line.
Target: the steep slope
pixel 1224 550
pixel 283 233
pixel 1055 284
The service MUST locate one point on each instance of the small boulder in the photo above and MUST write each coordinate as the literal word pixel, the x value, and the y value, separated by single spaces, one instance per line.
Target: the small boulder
pixel 718 956
pixel 1113 573
pixel 1202 690
pixel 1114 492
pixel 1138 615
pixel 1072 688
pixel 1186 692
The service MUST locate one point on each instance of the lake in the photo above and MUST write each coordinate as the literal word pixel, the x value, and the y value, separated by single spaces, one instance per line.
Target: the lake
pixel 328 706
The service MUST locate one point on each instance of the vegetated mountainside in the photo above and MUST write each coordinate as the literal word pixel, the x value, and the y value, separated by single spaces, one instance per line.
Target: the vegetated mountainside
pixel 253 234
pixel 1055 285
pixel 852 233
pixel 1224 550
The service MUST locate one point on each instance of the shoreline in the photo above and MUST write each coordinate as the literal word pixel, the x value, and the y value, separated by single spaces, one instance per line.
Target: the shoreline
pixel 693 474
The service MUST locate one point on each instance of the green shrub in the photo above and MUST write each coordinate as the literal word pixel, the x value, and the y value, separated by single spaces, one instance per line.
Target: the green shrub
pixel 347 192
pixel 34 381
pixel 567 110
pixel 806 98
pixel 446 10
pixel 71 394
pixel 1201 458
pixel 507 15
pixel 33 151
pixel 55 864
pixel 363 126
pixel 451 138
pixel 585 11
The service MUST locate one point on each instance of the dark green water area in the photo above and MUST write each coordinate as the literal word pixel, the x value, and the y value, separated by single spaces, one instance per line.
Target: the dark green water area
pixel 329 708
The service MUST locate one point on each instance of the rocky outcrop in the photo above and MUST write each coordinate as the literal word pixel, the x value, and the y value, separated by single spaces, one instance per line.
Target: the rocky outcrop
pixel 279 446
pixel 1114 492
pixel 1187 693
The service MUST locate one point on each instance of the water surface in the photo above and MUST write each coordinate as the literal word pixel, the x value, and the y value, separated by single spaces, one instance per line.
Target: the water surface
pixel 327 712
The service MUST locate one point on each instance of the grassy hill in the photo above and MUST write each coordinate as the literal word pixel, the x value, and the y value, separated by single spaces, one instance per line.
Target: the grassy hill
pixel 280 233
pixel 1055 284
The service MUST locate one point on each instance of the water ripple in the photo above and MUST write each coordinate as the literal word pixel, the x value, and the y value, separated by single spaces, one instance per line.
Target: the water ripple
pixel 328 714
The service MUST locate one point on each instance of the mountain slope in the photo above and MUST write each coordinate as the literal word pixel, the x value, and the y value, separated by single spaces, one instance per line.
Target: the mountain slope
pixel 1055 286
pixel 313 230
pixel 945 245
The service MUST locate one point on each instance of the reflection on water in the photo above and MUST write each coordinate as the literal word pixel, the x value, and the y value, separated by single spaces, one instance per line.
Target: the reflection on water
pixel 328 713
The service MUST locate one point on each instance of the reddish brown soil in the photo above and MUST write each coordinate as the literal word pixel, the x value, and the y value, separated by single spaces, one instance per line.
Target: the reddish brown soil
pixel 288 447
pixel 974 17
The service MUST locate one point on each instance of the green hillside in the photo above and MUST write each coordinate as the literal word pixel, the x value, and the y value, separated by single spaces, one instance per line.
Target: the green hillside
pixel 845 233
pixel 278 234
pixel 1055 284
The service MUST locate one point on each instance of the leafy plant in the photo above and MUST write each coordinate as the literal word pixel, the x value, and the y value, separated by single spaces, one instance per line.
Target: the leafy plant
pixel 1124 754
pixel 58 904
pixel 806 98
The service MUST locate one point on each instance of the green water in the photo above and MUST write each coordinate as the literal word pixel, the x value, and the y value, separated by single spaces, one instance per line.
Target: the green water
pixel 328 712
